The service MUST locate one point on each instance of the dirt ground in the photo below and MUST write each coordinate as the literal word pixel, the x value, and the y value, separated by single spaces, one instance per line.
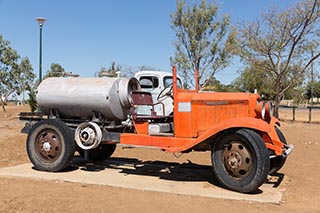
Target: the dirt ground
pixel 302 186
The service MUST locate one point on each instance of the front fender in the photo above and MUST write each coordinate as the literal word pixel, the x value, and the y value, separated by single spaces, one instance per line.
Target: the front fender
pixel 266 130
pixel 248 122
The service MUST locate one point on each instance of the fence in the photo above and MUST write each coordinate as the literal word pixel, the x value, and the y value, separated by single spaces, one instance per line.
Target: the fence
pixel 300 114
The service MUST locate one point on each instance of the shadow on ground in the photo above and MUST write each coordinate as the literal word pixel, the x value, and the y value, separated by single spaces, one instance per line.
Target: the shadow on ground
pixel 187 171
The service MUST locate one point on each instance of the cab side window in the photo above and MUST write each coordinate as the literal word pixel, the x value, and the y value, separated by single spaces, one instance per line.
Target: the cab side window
pixel 149 82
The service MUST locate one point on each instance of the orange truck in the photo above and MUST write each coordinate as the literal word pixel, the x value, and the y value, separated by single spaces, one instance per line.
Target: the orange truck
pixel 93 115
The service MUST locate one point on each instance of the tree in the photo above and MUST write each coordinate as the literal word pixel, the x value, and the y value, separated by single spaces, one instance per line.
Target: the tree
pixel 129 71
pixel 145 67
pixel 203 42
pixel 254 77
pixel 26 77
pixel 111 71
pixel 280 43
pixel 56 70
pixel 315 87
pixel 14 76
pixel 212 84
pixel 32 96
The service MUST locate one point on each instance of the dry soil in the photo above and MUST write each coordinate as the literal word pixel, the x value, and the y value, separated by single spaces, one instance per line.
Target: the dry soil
pixel 301 183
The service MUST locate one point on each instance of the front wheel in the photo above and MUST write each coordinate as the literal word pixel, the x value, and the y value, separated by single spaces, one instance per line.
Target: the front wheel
pixel 240 160
pixel 50 145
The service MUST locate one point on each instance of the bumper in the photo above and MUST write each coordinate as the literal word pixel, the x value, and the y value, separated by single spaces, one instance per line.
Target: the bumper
pixel 289 149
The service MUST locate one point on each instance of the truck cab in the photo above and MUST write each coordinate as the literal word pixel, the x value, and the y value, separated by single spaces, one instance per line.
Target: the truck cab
pixel 157 83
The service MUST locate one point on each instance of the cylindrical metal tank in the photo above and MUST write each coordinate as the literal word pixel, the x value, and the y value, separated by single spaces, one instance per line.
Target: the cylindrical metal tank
pixel 82 98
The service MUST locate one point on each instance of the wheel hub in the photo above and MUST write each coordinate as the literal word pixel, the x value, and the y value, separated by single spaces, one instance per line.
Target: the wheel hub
pixel 49 145
pixel 234 160
pixel 237 160
pixel 46 146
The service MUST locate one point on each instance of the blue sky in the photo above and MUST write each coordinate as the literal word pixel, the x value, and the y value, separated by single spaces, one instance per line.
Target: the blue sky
pixel 84 35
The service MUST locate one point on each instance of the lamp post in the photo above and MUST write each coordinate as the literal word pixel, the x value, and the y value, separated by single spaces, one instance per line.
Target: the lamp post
pixel 40 21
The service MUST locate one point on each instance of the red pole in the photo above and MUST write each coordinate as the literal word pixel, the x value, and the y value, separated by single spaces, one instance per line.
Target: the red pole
pixel 174 75
pixel 175 93
pixel 196 77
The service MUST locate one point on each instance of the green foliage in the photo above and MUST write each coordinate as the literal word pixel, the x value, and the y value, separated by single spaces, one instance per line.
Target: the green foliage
pixel 32 97
pixel 255 78
pixel 315 88
pixel 203 42
pixel 212 84
pixel 282 44
pixel 26 76
pixel 111 71
pixel 297 94
pixel 56 70
pixel 15 74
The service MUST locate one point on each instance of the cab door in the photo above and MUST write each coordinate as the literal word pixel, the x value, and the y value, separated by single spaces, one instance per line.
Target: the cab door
pixel 150 83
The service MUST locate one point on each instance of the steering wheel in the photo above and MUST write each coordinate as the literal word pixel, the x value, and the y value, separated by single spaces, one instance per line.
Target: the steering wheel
pixel 165 93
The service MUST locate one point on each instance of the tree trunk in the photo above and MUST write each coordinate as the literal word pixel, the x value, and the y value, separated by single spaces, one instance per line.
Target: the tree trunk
pixel 4 109
pixel 276 109
pixel 278 92
pixel 23 98
pixel 277 104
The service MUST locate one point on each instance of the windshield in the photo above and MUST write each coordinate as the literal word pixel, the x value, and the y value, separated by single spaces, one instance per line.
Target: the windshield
pixel 167 81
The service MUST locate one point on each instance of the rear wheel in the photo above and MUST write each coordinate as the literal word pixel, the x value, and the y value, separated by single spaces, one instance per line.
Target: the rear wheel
pixel 50 145
pixel 100 153
pixel 277 163
pixel 240 160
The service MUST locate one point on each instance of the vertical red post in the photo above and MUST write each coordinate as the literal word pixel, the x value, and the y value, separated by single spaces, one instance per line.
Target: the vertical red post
pixel 175 94
pixel 174 76
pixel 196 78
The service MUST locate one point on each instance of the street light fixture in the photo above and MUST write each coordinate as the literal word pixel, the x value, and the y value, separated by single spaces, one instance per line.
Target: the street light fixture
pixel 41 23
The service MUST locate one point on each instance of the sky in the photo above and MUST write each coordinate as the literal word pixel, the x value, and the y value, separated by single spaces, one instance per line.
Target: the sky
pixel 83 36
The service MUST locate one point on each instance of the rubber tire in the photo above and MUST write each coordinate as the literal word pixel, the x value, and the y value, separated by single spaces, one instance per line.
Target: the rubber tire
pixel 100 153
pixel 260 158
pixel 67 145
pixel 277 163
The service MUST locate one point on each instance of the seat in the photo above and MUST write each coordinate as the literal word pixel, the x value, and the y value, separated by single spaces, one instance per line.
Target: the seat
pixel 143 98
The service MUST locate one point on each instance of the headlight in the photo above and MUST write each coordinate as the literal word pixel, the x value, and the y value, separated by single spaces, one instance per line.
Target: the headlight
pixel 269 109
pixel 260 109
pixel 264 109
